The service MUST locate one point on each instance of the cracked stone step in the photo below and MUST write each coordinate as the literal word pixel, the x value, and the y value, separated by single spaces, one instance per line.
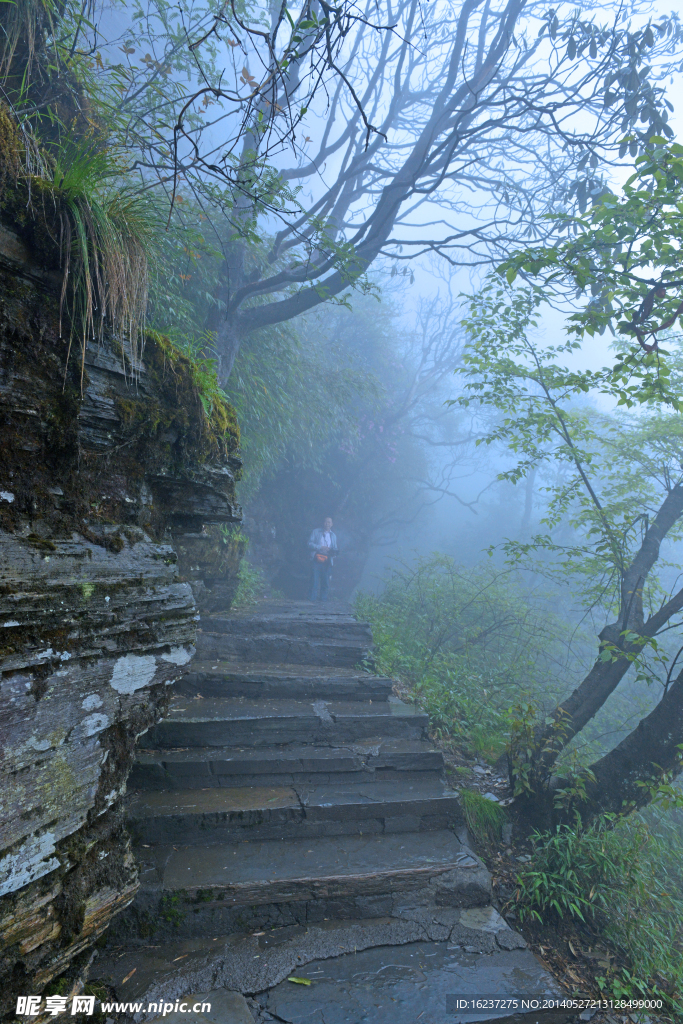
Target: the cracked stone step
pixel 219 815
pixel 203 767
pixel 412 983
pixel 250 963
pixel 311 626
pixel 225 1008
pixel 420 891
pixel 281 649
pixel 294 871
pixel 242 723
pixel 296 682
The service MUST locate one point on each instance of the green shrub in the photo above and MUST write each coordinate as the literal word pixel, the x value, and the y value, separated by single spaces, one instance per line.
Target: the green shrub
pixel 485 819
pixel 616 875
pixel 467 643
pixel 250 587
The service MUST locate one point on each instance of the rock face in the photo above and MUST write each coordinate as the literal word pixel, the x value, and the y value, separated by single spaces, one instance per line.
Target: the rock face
pixel 99 470
pixel 210 562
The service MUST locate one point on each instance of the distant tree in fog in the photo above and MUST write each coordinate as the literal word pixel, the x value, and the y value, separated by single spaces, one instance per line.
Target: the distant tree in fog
pixel 454 132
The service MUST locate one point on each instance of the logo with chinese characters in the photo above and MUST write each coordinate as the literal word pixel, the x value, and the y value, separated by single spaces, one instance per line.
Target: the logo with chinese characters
pixel 30 1006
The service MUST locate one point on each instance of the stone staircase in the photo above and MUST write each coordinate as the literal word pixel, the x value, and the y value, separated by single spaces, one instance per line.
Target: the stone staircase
pixel 292 809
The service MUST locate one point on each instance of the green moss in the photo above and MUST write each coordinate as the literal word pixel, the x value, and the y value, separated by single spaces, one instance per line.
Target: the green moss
pixel 11 148
pixel 169 909
pixel 97 989
pixel 188 418
pixel 59 987
pixel 41 543
pixel 205 896
pixel 194 380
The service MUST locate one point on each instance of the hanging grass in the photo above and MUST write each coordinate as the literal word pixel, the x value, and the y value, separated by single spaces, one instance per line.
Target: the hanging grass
pixel 21 28
pixel 106 251
pixel 104 231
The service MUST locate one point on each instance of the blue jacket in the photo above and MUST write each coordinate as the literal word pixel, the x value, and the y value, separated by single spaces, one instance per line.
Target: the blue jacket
pixel 315 543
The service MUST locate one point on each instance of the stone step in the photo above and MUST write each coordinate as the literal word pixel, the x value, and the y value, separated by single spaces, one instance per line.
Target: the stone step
pixel 328 610
pixel 241 723
pixel 297 682
pixel 310 625
pixel 287 786
pixel 222 815
pixel 220 890
pixel 281 649
pixel 256 960
pixel 203 767
pixel 418 984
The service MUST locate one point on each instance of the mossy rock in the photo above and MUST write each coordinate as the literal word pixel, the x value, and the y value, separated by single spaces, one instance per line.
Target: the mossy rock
pixel 191 425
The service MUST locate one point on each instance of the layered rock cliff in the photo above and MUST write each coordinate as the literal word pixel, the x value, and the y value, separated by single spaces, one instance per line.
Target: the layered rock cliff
pixel 102 471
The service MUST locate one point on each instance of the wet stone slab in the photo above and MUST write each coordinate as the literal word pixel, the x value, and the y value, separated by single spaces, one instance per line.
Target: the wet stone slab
pixel 283 649
pixel 218 815
pixel 236 722
pixel 309 626
pixel 406 984
pixel 224 679
pixel 292 859
pixel 203 767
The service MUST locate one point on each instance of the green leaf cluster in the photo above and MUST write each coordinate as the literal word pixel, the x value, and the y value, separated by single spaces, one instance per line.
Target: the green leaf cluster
pixel 603 475
pixel 485 818
pixel 624 260
pixel 620 876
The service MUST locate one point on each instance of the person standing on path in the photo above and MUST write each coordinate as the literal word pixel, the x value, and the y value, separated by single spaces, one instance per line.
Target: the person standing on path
pixel 323 546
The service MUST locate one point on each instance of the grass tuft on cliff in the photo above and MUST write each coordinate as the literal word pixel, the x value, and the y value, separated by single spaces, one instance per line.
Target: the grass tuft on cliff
pixel 71 201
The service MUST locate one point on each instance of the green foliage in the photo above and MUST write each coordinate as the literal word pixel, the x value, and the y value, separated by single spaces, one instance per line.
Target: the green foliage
pixel 108 246
pixel 523 719
pixel 467 643
pixel 59 987
pixel 97 989
pixel 610 483
pixel 169 908
pixel 605 476
pixel 102 228
pixel 485 819
pixel 294 397
pixel 250 587
pixel 626 254
pixel 623 877
pixel 190 380
pixel 203 369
